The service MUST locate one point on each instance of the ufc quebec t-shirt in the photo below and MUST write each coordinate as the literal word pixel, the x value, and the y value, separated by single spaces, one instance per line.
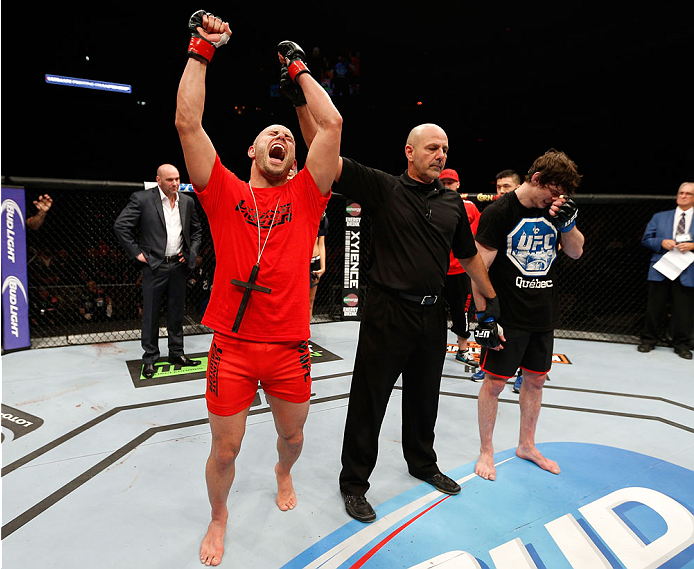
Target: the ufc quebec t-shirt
pixel 524 270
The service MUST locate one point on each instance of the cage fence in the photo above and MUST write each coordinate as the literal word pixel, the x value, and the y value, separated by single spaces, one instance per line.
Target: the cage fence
pixel 83 289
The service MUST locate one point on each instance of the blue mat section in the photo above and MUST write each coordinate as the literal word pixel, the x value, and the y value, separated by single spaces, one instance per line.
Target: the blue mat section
pixel 421 525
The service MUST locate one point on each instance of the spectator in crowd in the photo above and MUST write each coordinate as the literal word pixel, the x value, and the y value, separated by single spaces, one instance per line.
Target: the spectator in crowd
pixel 43 204
pixel 507 181
pixel 317 262
pixel 159 227
pixel 340 79
pixel 354 72
pixel 518 237
pixel 45 267
pixel 66 267
pixel 95 304
pixel 318 64
pixel 45 307
pixel 458 289
pixel 670 231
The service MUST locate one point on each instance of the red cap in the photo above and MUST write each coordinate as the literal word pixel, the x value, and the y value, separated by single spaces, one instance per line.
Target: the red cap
pixel 449 174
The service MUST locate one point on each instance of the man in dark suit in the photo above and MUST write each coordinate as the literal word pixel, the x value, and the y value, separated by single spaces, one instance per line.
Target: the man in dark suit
pixel 160 228
pixel 667 231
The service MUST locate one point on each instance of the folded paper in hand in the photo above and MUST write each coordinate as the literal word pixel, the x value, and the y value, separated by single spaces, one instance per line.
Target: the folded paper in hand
pixel 673 263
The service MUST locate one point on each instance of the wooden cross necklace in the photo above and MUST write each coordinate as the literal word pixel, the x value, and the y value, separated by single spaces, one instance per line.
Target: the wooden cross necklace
pixel 250 285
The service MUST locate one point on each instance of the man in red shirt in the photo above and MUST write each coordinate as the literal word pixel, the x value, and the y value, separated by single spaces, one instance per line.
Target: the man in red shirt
pixel 263 232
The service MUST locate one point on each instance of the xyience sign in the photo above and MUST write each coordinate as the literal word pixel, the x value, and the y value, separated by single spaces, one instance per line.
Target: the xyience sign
pixel 350 285
pixel 609 508
pixel 15 298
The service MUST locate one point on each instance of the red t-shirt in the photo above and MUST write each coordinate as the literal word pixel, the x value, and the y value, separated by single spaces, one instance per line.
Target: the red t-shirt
pixel 282 315
pixel 473 216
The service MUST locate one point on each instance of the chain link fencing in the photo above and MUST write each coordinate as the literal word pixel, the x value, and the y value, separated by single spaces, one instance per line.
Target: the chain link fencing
pixel 84 290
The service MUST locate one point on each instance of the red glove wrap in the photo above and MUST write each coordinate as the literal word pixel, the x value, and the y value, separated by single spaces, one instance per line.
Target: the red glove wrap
pixel 297 67
pixel 201 47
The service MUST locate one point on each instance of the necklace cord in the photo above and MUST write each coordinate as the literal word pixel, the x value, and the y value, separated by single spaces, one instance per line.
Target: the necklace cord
pixel 257 220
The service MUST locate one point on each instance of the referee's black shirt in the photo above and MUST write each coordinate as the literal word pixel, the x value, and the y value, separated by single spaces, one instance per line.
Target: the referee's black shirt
pixel 414 227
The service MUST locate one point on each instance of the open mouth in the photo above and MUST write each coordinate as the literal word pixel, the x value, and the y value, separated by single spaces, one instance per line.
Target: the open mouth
pixel 277 153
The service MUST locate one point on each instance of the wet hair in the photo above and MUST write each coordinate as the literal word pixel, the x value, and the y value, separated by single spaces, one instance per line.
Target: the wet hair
pixel 556 169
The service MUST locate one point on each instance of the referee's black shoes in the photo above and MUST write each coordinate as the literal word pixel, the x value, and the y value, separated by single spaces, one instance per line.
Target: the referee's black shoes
pixel 359 508
pixel 684 353
pixel 443 483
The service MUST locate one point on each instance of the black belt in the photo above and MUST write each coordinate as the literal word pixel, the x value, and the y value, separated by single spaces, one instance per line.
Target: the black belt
pixel 170 259
pixel 427 300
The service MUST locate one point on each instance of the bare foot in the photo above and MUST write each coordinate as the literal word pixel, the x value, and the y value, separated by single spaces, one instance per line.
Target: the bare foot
pixel 286 498
pixel 212 547
pixel 485 467
pixel 534 455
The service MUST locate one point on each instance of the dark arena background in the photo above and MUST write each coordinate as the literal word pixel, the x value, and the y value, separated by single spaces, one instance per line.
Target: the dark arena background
pixel 606 84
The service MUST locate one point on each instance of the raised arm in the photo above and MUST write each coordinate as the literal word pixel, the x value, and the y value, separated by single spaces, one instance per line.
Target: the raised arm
pixel 563 213
pixel 208 33
pixel 308 130
pixel 321 123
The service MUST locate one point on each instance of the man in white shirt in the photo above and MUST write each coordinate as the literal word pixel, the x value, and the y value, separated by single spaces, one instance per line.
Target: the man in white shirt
pixel 668 231
pixel 160 229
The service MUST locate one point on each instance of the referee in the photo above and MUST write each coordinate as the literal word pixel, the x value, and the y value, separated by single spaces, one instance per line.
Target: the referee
pixel 416 222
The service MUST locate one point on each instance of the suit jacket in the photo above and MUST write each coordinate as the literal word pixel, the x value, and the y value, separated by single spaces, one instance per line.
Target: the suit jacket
pixel 659 228
pixel 141 227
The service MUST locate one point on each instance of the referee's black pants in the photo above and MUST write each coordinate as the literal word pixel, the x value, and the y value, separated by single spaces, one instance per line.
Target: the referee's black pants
pixel 395 337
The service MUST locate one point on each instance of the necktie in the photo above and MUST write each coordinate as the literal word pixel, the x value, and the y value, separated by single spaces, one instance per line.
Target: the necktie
pixel 680 225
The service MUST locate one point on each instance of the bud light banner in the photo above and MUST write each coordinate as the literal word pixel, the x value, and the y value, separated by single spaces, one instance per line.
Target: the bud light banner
pixel 350 285
pixel 609 508
pixel 15 298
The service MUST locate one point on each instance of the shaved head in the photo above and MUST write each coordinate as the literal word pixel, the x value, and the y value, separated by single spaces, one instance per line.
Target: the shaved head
pixel 426 151
pixel 273 128
pixel 167 170
pixel 168 179
pixel 417 132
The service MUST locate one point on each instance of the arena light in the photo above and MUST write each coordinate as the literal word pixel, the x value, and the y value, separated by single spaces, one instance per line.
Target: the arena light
pixel 88 84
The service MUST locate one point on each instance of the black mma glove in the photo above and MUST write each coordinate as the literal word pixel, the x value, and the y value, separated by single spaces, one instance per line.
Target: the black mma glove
pixel 488 332
pixel 291 90
pixel 198 45
pixel 492 312
pixel 294 57
pixel 565 220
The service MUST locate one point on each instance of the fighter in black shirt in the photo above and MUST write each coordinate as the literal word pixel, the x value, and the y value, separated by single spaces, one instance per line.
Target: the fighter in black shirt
pixel 519 237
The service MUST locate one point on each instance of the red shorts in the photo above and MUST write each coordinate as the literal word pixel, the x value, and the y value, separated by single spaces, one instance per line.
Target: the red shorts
pixel 236 367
